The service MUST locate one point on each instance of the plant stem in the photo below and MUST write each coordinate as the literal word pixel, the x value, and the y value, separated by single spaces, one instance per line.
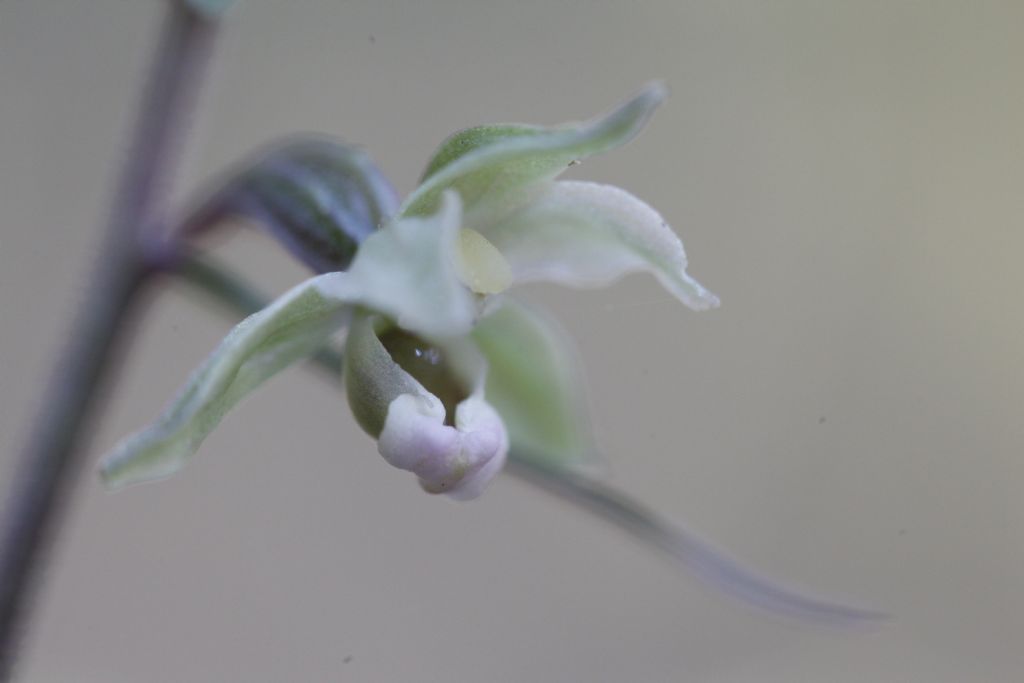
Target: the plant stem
pixel 43 478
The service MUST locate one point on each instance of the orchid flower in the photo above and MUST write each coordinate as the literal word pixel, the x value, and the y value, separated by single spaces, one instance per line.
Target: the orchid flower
pixel 441 367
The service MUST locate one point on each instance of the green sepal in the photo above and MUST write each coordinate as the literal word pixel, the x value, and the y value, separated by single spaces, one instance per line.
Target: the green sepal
pixel 492 160
pixel 317 197
pixel 463 142
pixel 292 328
pixel 535 382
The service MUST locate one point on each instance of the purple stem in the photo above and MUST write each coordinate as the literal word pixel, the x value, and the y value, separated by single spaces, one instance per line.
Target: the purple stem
pixel 43 479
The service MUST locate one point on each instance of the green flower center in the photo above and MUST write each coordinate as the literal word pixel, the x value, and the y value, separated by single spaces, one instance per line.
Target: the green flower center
pixel 426 363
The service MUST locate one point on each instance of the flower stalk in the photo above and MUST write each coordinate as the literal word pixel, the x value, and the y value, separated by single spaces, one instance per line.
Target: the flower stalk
pixel 43 478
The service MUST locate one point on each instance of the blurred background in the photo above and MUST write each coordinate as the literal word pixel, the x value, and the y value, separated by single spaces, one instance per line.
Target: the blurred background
pixel 846 176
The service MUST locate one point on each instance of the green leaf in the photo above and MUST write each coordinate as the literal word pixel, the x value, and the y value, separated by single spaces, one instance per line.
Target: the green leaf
pixel 292 328
pixel 492 160
pixel 535 382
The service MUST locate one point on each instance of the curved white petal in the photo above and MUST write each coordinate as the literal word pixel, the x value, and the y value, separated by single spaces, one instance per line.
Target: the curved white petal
pixel 585 234
pixel 459 460
pixel 409 421
pixel 408 271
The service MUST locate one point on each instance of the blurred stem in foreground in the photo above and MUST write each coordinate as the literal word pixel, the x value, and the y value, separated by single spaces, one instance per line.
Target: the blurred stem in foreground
pixel 42 481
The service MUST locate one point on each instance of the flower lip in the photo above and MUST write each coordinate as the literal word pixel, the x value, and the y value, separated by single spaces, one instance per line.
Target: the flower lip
pixel 458 460
pixel 424 404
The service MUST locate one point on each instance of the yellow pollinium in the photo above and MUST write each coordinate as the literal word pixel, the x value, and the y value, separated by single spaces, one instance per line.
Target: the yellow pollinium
pixel 480 265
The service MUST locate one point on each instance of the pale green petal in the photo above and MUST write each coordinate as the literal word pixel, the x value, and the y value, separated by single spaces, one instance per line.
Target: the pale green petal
pixel 404 271
pixel 463 142
pixel 492 160
pixel 587 235
pixel 291 328
pixel 408 272
pixel 535 382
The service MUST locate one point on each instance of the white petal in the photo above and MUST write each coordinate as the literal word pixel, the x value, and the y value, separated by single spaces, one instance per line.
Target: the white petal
pixel 485 445
pixel 407 271
pixel 414 437
pixel 459 461
pixel 584 234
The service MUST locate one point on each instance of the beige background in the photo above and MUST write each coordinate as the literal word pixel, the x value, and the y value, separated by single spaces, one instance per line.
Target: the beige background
pixel 847 176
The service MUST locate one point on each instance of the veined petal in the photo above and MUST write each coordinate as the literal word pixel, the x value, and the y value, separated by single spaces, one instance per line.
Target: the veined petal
pixel 486 162
pixel 456 454
pixel 319 198
pixel 408 271
pixel 405 270
pixel 291 328
pixel 535 382
pixel 584 234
